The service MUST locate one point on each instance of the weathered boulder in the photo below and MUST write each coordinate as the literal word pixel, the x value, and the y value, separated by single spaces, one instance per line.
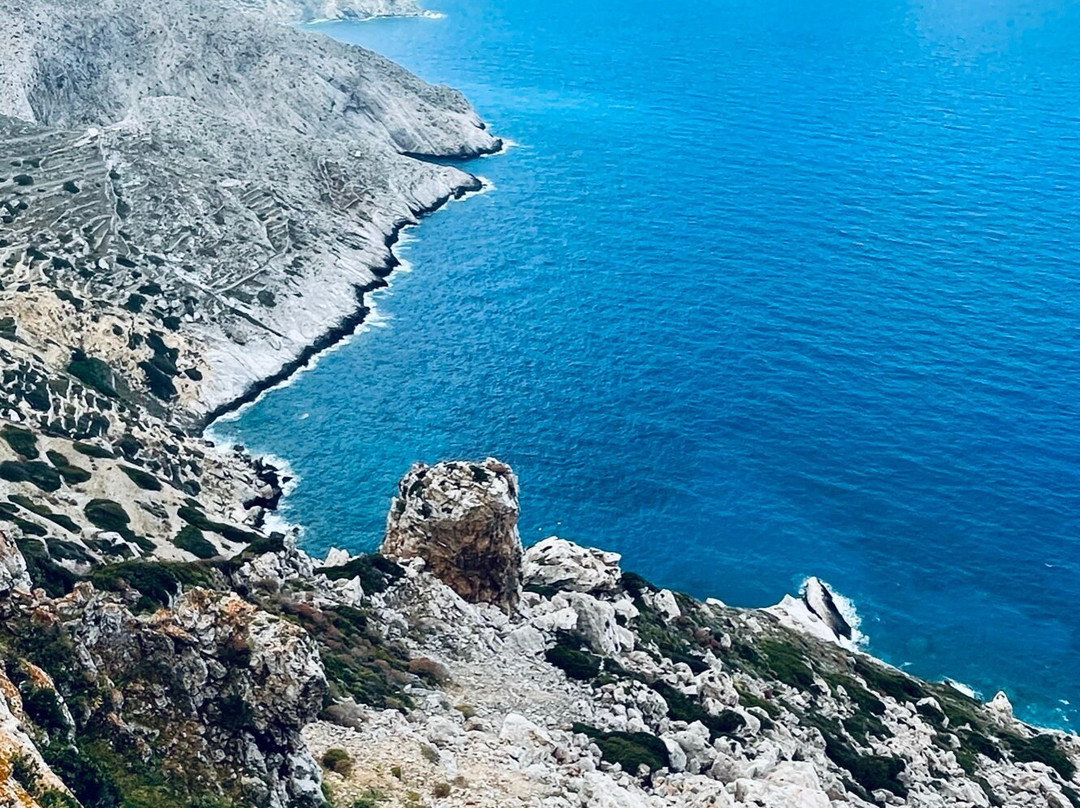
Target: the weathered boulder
pixel 561 564
pixel 13 574
pixel 217 686
pixel 461 519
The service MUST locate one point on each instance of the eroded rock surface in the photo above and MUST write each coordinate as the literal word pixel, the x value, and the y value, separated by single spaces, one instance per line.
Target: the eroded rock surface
pixel 461 518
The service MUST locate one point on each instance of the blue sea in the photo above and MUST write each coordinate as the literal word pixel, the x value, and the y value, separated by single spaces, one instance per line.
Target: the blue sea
pixel 764 289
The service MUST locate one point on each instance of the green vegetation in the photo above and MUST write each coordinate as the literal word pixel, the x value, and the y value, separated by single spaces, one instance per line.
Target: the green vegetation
pixel 72 474
pixel 91 450
pixel 93 373
pixel 40 474
pixel 44 572
pixel 22 441
pixel 1040 749
pixel 575 663
pixel 359 662
pixel 370 798
pixel 108 515
pixel 629 749
pixel 375 572
pixel 190 538
pixel 684 708
pixel 338 760
pixel 159 383
pixel 196 518
pixel 44 512
pixel 158 582
pixel 145 481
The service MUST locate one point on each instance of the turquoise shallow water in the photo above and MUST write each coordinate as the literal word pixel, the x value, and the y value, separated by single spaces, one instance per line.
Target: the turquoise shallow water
pixel 767 289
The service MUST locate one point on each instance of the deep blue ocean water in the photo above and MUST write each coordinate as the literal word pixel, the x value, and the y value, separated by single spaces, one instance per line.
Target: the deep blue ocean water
pixel 767 289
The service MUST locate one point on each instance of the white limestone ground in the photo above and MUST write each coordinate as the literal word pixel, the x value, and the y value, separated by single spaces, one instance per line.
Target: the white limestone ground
pixel 244 175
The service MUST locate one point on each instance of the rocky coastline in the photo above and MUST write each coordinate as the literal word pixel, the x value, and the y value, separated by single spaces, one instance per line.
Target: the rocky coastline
pixel 189 213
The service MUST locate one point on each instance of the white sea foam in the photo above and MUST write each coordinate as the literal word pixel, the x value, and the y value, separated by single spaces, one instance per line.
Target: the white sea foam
pixel 846 607
pixel 967 690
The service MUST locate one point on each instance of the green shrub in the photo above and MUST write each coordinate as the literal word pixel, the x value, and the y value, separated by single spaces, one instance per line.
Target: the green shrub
pixel 73 475
pixel 44 512
pixel 157 583
pixel 145 481
pixel 575 663
pixel 376 572
pixel 195 517
pixel 92 372
pixel 190 538
pixel 108 515
pixel 40 474
pixel 92 450
pixel 1041 749
pixel 684 708
pixel 338 760
pixel 22 441
pixel 628 749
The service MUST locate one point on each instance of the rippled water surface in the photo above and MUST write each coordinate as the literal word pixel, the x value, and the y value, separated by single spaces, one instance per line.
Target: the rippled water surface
pixel 769 288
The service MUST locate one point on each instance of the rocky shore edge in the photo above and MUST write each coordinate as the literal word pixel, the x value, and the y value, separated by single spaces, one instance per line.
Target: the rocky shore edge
pixel 458 668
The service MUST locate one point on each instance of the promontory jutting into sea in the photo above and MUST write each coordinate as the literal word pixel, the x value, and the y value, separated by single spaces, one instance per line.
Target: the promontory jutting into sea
pixel 713 444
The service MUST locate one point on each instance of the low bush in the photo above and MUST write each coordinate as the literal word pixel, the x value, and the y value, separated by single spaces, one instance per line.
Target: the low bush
pixel 22 441
pixel 338 761
pixel 190 538
pixel 629 749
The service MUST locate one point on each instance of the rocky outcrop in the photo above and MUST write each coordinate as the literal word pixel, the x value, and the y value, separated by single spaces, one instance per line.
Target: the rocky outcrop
pixel 13 572
pixel 557 563
pixel 461 519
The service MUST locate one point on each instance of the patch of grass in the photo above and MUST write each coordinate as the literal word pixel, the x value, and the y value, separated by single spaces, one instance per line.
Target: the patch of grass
pixel 748 699
pixel 105 514
pixel 370 798
pixel 40 474
pixel 629 749
pixel 376 572
pixel 66 550
pixel 92 450
pixel 870 772
pixel 786 663
pixel 44 572
pixel 44 512
pixel 684 708
pixel 195 517
pixel 1040 749
pixel 158 582
pixel 93 372
pixel 338 760
pixel 573 662
pixel 145 481
pixel 72 474
pixel 190 538
pixel 22 441
pixel 890 682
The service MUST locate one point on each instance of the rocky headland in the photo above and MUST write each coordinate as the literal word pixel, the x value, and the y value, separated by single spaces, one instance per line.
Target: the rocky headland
pixel 195 196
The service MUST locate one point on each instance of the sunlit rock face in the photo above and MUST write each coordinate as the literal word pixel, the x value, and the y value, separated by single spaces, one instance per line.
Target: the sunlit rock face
pixel 461 518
